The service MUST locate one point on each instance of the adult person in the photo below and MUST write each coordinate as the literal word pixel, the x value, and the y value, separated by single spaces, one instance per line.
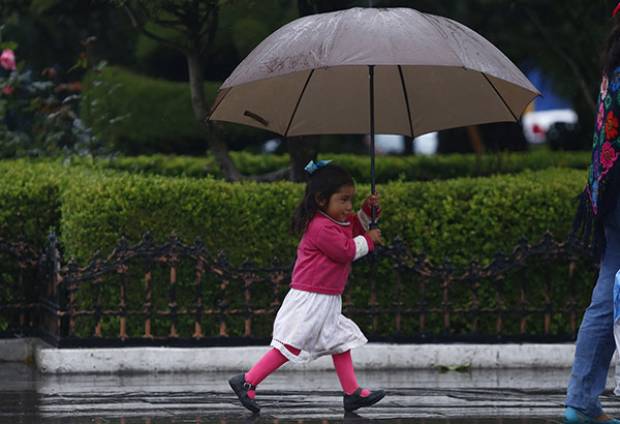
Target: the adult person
pixel 598 218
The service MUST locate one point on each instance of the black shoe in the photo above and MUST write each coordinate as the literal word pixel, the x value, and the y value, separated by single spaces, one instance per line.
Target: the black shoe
pixel 355 401
pixel 241 389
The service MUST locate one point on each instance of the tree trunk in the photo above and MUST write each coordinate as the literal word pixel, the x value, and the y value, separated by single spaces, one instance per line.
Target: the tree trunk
pixel 475 138
pixel 301 150
pixel 218 147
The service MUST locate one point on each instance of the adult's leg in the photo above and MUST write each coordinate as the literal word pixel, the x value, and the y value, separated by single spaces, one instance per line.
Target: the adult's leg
pixel 595 340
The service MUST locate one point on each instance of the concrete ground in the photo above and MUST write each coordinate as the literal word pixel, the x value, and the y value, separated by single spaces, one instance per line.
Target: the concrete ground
pixel 420 396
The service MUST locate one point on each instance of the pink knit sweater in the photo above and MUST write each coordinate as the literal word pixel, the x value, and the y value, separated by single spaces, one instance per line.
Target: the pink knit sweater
pixel 326 251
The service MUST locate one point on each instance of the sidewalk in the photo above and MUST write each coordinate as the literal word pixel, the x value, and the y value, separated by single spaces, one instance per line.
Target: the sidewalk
pixel 420 396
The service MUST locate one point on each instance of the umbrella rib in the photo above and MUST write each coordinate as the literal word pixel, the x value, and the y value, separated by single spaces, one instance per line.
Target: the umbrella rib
pixel 500 96
pixel 402 82
pixel 218 101
pixel 303 90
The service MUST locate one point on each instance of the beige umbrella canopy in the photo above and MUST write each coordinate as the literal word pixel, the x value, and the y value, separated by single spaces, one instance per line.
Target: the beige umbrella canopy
pixel 396 71
pixel 431 73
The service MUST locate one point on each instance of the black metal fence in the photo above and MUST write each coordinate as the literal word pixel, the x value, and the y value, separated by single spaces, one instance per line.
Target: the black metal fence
pixel 179 294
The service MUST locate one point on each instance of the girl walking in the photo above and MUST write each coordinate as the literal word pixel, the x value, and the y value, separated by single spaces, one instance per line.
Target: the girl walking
pixel 310 323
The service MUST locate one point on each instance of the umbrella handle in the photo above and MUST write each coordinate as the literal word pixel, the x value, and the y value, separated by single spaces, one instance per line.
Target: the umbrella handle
pixel 373 218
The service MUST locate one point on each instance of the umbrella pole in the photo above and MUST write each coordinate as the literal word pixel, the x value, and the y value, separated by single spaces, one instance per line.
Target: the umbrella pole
pixel 371 80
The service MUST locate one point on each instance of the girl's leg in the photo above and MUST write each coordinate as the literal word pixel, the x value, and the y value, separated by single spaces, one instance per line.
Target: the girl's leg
pixel 595 340
pixel 346 374
pixel 270 362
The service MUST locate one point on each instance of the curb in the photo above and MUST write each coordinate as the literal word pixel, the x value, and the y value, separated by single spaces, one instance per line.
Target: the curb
pixel 373 356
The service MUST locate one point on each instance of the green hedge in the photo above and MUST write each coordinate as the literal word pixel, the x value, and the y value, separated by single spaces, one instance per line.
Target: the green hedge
pixel 156 114
pixel 461 219
pixel 29 207
pixel 388 168
pixel 435 217
pixel 29 200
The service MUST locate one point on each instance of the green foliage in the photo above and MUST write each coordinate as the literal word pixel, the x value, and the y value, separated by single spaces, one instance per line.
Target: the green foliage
pixel 29 208
pixel 388 168
pixel 29 201
pixel 461 219
pixel 472 219
pixel 229 217
pixel 248 33
pixel 39 116
pixel 158 114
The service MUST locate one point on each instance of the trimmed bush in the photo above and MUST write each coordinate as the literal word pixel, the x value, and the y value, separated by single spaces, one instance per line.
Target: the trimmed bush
pixel 29 207
pixel 138 115
pixel 441 167
pixel 388 168
pixel 29 200
pixel 461 219
pixel 244 220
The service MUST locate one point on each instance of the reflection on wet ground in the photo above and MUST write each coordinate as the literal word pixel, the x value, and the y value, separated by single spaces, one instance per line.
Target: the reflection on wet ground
pixel 485 396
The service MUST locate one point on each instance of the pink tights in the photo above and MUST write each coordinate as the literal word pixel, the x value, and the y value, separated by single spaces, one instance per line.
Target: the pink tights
pixel 273 360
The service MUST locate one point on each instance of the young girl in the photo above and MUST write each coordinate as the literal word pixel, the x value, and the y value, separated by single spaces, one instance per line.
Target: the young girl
pixel 309 323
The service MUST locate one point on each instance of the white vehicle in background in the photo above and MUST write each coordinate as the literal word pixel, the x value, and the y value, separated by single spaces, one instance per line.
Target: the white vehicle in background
pixel 384 143
pixel 425 144
pixel 536 124
pixel 547 111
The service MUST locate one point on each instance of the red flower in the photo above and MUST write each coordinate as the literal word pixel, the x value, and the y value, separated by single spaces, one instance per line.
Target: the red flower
pixel 611 126
pixel 608 156
pixel 8 90
pixel 7 59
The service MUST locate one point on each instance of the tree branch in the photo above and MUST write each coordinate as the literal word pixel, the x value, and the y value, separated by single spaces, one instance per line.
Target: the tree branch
pixel 142 28
pixel 585 90
pixel 207 36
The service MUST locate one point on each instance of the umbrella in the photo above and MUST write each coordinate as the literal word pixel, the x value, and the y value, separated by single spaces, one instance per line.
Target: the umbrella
pixel 367 70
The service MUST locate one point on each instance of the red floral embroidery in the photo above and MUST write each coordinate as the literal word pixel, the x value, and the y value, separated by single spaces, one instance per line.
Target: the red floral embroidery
pixel 608 156
pixel 611 126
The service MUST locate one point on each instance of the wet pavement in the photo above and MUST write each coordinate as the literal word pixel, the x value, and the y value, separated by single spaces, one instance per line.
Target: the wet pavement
pixel 480 396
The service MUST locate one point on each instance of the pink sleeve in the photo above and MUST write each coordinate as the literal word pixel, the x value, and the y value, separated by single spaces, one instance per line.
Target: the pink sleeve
pixel 341 248
pixel 357 229
pixel 335 245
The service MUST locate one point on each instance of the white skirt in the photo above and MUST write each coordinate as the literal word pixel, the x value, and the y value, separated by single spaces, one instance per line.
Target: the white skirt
pixel 313 322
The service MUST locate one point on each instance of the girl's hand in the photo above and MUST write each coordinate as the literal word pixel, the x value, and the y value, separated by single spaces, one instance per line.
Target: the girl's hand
pixel 375 236
pixel 372 200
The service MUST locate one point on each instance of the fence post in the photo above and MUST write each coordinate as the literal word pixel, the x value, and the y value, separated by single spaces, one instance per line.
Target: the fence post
pixel 52 295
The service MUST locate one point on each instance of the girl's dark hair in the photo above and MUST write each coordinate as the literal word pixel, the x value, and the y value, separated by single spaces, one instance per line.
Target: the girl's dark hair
pixel 611 51
pixel 322 183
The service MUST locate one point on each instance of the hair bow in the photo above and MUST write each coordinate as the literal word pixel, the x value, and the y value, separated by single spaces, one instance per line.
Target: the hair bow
pixel 313 165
